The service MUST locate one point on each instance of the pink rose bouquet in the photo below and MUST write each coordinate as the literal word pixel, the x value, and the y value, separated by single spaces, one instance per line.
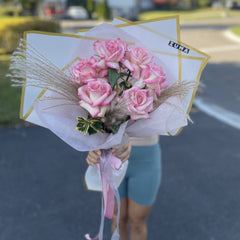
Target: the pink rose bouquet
pixel 121 83
pixel 110 83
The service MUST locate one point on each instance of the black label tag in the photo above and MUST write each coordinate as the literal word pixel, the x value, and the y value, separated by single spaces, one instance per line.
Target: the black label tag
pixel 179 47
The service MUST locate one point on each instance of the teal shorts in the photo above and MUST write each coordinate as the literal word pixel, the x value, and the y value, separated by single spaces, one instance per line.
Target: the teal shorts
pixel 143 176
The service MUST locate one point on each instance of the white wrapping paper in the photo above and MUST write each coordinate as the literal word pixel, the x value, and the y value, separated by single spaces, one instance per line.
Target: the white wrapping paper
pixel 63 50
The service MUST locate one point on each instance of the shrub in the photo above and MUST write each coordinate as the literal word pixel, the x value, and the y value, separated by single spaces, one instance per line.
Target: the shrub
pixel 12 31
pixel 103 11
pixel 204 3
pixel 10 10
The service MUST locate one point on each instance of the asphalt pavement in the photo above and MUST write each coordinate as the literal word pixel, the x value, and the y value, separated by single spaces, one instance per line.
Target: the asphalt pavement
pixel 222 74
pixel 43 195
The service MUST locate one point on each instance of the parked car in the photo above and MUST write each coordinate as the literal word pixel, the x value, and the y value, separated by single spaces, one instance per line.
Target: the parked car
pixel 228 4
pixel 53 9
pixel 77 12
pixel 235 5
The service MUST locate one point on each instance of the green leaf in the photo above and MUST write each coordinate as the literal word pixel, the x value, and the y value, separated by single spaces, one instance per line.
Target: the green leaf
pixel 113 76
pixel 91 131
pixel 115 129
pixel 91 125
pixel 96 125
pixel 82 125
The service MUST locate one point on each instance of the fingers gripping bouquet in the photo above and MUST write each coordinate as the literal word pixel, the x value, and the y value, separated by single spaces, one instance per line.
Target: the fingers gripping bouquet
pixel 110 84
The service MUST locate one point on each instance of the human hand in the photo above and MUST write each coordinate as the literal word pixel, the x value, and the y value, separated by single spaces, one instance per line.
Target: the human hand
pixel 93 157
pixel 123 152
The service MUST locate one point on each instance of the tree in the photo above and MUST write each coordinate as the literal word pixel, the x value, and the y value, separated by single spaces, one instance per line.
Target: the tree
pixel 77 3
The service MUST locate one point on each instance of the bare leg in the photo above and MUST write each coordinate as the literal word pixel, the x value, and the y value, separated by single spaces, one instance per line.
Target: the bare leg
pixel 123 227
pixel 137 215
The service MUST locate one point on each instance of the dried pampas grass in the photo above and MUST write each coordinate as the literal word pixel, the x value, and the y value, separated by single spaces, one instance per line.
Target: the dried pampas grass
pixel 28 63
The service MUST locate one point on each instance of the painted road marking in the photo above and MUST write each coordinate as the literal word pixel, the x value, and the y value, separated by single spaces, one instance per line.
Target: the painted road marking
pixel 221 114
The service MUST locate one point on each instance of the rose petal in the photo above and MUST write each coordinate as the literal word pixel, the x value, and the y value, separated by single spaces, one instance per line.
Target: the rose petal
pixel 97 99
pixel 134 110
pixel 148 106
pixel 102 112
pixel 109 98
pixel 88 80
pixel 101 64
pixel 83 94
pixel 136 73
pixel 164 85
pixel 92 110
pixel 113 65
pixel 117 56
pixel 98 48
pixel 136 116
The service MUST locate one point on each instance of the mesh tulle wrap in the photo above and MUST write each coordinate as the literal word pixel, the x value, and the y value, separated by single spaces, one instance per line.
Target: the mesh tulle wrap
pixel 58 108
pixel 62 121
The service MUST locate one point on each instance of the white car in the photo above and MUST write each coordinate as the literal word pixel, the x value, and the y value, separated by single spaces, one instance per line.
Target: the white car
pixel 77 12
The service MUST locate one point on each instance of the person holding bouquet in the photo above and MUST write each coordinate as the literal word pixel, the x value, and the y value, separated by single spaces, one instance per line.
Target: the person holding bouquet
pixel 115 91
pixel 137 82
pixel 139 188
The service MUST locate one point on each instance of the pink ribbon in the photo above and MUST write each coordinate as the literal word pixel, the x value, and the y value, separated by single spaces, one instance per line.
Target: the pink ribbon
pixel 108 162
pixel 108 194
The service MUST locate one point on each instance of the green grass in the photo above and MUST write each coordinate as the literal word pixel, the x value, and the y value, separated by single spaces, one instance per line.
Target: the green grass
pixel 190 15
pixel 236 30
pixel 9 96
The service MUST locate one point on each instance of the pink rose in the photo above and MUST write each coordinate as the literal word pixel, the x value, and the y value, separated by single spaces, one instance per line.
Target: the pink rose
pixel 84 71
pixel 101 68
pixel 95 96
pixel 89 70
pixel 139 102
pixel 136 59
pixel 111 52
pixel 155 78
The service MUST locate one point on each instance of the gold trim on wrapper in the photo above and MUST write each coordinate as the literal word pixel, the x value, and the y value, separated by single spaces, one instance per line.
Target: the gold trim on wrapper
pixel 129 23
pixel 179 55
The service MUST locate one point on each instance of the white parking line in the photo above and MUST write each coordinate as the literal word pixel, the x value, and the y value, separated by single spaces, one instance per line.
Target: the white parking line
pixel 223 115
